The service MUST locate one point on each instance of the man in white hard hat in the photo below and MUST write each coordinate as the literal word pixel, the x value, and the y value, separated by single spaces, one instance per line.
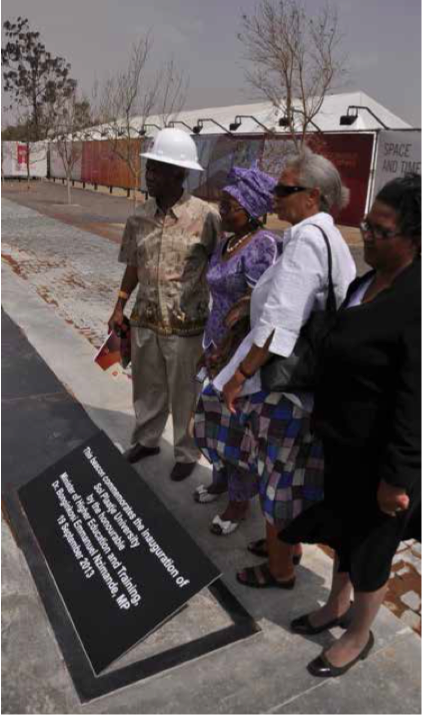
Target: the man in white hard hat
pixel 166 246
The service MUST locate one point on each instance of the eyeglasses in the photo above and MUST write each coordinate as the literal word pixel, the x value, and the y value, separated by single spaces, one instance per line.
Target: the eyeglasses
pixel 227 208
pixel 377 231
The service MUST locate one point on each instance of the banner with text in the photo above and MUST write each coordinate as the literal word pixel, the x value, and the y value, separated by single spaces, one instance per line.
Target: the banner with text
pixel 399 152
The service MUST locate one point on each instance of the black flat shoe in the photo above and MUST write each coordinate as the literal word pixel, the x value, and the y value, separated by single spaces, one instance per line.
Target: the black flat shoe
pixel 304 626
pixel 138 451
pixel 322 668
pixel 182 470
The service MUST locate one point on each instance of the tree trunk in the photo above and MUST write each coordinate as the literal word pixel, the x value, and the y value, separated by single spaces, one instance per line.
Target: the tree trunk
pixel 28 171
pixel 135 191
pixel 69 189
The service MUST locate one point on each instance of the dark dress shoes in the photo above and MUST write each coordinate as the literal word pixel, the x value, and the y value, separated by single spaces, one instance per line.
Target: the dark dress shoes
pixel 138 451
pixel 322 668
pixel 304 626
pixel 182 470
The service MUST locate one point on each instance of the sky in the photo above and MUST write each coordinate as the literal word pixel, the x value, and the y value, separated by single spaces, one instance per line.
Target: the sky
pixel 381 40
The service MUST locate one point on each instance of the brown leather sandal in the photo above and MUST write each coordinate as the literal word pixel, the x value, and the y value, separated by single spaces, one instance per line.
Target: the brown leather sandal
pixel 261 577
pixel 259 548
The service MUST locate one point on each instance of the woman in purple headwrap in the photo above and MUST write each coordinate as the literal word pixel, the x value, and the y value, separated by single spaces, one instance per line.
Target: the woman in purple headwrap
pixel 242 256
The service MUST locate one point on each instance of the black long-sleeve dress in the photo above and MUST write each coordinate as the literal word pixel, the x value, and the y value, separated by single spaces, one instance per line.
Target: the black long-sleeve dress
pixel 367 412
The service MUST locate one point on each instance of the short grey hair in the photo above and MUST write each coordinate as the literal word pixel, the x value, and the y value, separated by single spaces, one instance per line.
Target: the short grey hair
pixel 317 172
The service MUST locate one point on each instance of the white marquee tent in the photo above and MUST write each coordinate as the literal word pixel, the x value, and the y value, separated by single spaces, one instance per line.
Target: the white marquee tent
pixel 327 120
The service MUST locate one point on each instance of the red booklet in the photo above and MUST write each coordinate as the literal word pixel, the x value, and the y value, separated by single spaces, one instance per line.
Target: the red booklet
pixel 109 352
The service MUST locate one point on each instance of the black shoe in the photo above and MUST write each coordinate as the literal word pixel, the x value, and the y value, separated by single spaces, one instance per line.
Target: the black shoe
pixel 138 451
pixel 304 626
pixel 182 470
pixel 322 668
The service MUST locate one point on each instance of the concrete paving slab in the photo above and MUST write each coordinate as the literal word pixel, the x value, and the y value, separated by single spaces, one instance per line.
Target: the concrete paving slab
pixel 376 686
pixel 34 676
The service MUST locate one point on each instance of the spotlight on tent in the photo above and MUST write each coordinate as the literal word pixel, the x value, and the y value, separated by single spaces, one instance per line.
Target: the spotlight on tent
pixel 346 120
pixel 284 122
pixel 171 124
pixel 352 113
pixel 234 126
pixel 200 125
pixel 143 131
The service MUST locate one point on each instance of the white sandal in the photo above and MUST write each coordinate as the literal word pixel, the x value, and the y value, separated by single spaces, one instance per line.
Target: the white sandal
pixel 202 496
pixel 223 528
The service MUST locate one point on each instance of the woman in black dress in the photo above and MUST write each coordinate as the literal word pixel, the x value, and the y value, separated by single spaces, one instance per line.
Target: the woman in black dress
pixel 367 412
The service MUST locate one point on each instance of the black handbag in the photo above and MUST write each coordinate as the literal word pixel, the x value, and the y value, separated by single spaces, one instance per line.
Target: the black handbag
pixel 298 372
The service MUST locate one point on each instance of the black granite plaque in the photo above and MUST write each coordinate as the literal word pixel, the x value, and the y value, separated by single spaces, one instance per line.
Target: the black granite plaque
pixel 120 560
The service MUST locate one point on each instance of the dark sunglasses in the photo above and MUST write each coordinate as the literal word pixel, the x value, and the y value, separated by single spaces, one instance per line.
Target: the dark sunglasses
pixel 282 191
pixel 376 231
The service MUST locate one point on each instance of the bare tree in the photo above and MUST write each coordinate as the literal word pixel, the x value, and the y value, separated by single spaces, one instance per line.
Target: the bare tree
pixel 128 100
pixel 296 59
pixel 122 99
pixel 72 115
pixel 173 88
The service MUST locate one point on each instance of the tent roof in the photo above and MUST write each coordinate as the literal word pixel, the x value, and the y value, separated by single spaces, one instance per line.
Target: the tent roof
pixel 327 119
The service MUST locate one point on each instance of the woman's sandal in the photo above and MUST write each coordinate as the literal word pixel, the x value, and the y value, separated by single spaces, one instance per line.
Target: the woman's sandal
pixel 221 527
pixel 261 577
pixel 304 626
pixel 259 548
pixel 202 495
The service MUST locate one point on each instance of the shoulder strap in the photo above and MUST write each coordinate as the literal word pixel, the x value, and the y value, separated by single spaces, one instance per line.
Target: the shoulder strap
pixel 331 297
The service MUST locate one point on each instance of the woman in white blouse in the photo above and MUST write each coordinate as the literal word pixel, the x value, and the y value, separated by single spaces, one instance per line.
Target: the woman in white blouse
pixel 287 460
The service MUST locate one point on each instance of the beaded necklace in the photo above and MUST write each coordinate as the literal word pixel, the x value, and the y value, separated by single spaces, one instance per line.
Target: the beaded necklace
pixel 230 248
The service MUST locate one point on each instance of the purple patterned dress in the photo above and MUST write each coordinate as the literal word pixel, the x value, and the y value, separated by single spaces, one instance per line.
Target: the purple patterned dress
pixel 229 280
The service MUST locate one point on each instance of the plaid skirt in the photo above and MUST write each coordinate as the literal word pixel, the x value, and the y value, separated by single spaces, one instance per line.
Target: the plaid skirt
pixel 269 439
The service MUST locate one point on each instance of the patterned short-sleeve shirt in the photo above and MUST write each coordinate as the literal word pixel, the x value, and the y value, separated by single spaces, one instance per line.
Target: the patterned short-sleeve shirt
pixel 171 253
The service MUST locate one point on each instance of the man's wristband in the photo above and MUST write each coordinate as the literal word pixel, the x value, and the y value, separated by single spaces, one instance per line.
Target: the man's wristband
pixel 123 294
pixel 244 373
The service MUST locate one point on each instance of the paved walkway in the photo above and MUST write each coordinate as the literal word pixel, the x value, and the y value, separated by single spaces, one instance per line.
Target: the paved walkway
pixel 265 674
pixel 104 214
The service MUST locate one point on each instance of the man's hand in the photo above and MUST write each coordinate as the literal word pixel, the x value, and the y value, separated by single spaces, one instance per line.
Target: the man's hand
pixel 116 319
pixel 232 390
pixel 392 500
pixel 237 311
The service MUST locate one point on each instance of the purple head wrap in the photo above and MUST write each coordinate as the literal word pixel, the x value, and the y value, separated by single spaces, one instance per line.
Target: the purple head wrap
pixel 252 189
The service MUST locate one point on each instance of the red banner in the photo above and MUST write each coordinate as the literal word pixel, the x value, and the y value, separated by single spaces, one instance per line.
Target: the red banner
pixel 109 163
pixel 22 154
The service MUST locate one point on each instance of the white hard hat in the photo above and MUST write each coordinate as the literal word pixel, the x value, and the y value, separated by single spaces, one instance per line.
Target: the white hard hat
pixel 174 146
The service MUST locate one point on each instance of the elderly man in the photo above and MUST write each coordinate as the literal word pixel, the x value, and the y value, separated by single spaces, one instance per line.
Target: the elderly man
pixel 166 246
